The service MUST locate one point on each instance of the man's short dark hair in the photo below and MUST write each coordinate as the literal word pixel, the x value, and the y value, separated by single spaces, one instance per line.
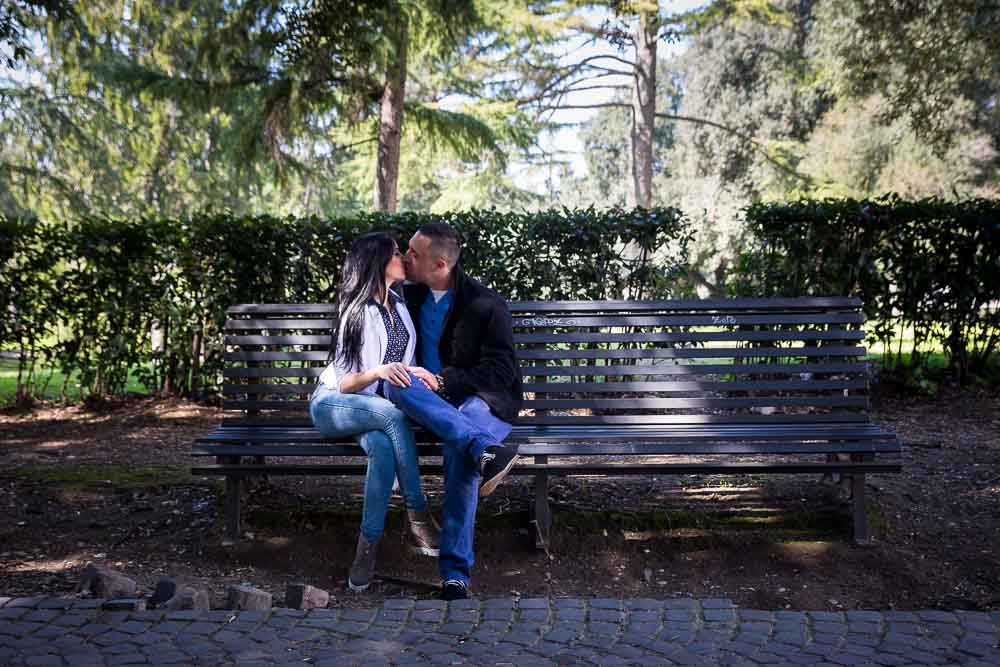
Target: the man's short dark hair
pixel 444 240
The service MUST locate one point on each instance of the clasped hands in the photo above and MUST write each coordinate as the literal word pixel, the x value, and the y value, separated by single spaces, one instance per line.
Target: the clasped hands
pixel 398 374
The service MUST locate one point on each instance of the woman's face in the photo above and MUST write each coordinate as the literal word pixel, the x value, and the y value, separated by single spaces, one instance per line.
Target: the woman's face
pixel 395 271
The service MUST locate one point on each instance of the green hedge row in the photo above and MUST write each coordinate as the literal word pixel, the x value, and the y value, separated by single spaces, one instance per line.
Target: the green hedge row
pixel 930 266
pixel 87 295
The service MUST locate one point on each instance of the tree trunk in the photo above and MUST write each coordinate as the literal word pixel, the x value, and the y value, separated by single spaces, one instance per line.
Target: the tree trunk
pixel 644 110
pixel 390 126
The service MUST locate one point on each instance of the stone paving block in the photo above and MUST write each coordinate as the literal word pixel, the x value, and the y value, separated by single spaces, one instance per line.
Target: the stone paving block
pixel 864 628
pixel 827 616
pixel 570 614
pixel 604 603
pixel 717 603
pixel 359 615
pixel 399 603
pixel 643 604
pixel 792 616
pixel 601 628
pixel 643 629
pixel 934 616
pixel 440 605
pixel 606 616
pixel 41 616
pixel 51 632
pixel 43 661
pixel 569 603
pixel 24 602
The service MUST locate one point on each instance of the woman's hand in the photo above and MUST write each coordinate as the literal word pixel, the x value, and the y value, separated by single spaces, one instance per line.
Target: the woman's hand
pixel 395 373
pixel 426 377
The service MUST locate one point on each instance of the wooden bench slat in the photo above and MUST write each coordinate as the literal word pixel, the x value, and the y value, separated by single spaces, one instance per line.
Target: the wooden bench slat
pixel 677 403
pixel 266 371
pixel 679 386
pixel 688 337
pixel 685 386
pixel 566 449
pixel 579 434
pixel 304 339
pixel 591 321
pixel 692 369
pixel 279 323
pixel 276 356
pixel 688 304
pixel 697 353
pixel 280 308
pixel 569 468
pixel 527 421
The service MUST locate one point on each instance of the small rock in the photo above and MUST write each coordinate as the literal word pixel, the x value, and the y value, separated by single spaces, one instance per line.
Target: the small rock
pixel 188 598
pixel 105 583
pixel 247 598
pixel 165 589
pixel 124 604
pixel 304 596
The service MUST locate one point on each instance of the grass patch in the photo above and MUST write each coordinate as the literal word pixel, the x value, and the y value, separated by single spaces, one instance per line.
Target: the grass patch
pixel 49 381
pixel 118 477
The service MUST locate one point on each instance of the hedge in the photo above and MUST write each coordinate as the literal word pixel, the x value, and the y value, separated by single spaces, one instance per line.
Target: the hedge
pixel 931 265
pixel 88 294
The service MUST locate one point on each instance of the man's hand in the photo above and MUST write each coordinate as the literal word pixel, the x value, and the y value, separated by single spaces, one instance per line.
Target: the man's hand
pixel 394 373
pixel 426 377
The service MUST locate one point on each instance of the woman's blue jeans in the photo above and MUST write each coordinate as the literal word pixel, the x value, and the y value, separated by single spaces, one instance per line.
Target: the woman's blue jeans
pixel 386 435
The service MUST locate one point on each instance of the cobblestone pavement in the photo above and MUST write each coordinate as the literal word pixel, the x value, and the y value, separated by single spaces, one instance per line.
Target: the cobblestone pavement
pixel 49 631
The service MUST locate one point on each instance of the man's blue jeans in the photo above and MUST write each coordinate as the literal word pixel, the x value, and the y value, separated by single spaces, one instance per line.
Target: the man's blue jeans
pixel 466 432
pixel 386 435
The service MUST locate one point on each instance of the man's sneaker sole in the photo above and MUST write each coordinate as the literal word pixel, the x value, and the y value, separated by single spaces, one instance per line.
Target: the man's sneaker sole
pixel 490 485
pixel 425 551
pixel 351 586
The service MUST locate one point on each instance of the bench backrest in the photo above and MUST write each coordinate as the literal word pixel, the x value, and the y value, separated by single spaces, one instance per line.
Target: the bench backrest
pixel 609 362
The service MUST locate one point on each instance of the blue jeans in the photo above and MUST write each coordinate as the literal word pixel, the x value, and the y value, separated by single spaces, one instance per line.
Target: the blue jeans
pixel 466 432
pixel 386 435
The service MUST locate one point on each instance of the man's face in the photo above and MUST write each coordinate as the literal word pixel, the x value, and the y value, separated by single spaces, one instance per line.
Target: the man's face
pixel 421 262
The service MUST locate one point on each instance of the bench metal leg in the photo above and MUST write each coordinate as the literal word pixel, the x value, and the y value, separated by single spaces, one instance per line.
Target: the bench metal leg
pixel 861 535
pixel 542 514
pixel 233 488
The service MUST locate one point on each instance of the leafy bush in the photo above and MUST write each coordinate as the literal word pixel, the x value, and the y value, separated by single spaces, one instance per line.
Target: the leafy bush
pixel 101 286
pixel 932 266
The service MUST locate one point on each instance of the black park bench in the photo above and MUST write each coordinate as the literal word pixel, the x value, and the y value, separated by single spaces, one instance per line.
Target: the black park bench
pixel 783 382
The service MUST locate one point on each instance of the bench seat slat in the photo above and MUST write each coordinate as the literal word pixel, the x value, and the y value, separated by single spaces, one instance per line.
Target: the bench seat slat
pixel 569 468
pixel 692 369
pixel 570 449
pixel 852 432
pixel 696 353
pixel 720 320
pixel 571 387
pixel 790 303
pixel 689 337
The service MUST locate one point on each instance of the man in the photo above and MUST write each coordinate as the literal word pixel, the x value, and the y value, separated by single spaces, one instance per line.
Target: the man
pixel 465 353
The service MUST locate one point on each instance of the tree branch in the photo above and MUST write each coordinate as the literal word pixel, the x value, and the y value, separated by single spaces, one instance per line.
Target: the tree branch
pixel 745 137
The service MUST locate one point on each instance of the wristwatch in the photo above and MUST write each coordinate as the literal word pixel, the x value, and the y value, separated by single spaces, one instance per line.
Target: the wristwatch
pixel 440 380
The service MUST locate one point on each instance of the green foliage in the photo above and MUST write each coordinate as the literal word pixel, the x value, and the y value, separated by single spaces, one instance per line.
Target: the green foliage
pixel 104 287
pixel 930 265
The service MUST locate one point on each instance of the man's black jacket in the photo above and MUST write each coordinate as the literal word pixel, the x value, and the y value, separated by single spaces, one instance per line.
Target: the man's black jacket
pixel 477 346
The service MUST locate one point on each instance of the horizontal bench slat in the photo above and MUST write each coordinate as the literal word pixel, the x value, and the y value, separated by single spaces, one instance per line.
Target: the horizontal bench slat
pixel 689 337
pixel 267 371
pixel 569 449
pixel 809 303
pixel 587 320
pixel 633 421
pixel 280 308
pixel 279 323
pixel 696 353
pixel 570 469
pixel 685 386
pixel 594 387
pixel 677 403
pixel 691 433
pixel 276 356
pixel 538 370
pixel 305 339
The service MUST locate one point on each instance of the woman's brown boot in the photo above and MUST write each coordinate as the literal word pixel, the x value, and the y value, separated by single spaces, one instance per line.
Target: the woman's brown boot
pixel 363 567
pixel 425 533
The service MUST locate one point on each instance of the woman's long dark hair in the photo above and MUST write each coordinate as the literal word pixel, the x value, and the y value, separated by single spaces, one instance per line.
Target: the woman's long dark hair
pixel 361 279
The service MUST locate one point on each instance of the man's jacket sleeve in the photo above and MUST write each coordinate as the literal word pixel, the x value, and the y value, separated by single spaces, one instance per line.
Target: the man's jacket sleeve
pixel 497 365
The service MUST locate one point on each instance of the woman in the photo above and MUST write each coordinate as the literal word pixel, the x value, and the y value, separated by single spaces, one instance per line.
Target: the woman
pixel 373 345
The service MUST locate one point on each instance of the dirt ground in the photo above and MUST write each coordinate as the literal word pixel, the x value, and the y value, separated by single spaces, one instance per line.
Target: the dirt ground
pixel 112 486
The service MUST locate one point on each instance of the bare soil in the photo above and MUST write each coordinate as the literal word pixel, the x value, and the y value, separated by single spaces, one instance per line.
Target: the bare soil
pixel 111 485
